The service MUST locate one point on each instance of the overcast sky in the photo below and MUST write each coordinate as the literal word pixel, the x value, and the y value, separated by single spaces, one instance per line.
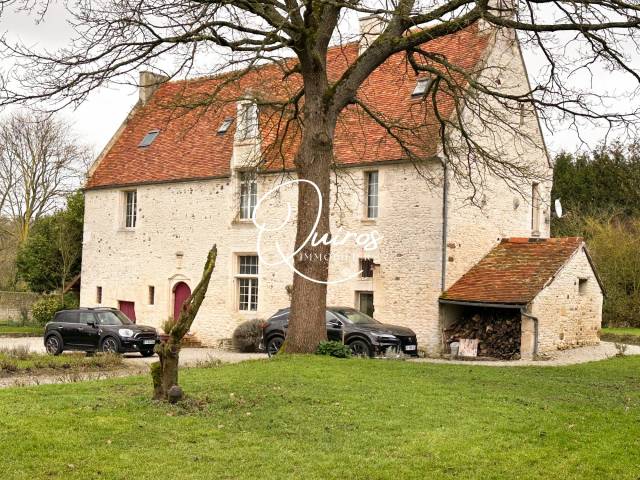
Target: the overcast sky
pixel 99 117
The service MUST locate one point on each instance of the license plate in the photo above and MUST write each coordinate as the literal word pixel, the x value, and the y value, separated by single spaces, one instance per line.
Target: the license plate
pixel 410 347
pixel 149 342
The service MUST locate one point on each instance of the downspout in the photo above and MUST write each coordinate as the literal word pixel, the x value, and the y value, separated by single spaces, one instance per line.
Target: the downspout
pixel 445 225
pixel 535 329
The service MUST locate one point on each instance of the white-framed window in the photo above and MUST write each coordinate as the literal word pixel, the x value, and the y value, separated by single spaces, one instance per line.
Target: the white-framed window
pixel 536 213
pixel 247 280
pixel 248 194
pixel 371 179
pixel 247 124
pixel 130 208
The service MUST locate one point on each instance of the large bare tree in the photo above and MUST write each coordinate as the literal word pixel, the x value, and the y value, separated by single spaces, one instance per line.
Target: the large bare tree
pixel 116 38
pixel 40 162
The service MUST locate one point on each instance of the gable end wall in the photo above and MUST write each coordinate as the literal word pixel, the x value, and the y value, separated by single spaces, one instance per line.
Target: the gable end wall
pixel 567 318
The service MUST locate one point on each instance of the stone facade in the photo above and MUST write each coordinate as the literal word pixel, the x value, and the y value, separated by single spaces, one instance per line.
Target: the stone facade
pixel 569 308
pixel 179 221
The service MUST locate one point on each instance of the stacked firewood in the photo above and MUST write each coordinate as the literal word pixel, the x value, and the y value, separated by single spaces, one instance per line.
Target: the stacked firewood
pixel 498 332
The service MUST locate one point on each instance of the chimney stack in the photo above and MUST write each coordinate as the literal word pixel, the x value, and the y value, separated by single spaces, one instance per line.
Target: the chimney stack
pixel 370 28
pixel 149 83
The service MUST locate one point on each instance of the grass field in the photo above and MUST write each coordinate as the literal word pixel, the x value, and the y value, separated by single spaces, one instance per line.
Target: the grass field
pixel 622 331
pixel 318 417
pixel 34 330
pixel 621 335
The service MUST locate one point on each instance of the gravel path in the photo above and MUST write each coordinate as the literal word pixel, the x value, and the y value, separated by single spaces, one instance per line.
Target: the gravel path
pixel 562 357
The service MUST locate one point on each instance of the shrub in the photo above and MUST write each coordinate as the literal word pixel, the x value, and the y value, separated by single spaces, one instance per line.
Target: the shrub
pixel 333 349
pixel 44 309
pixel 246 337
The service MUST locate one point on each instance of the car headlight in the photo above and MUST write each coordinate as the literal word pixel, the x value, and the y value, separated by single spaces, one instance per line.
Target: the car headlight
pixel 386 337
pixel 125 332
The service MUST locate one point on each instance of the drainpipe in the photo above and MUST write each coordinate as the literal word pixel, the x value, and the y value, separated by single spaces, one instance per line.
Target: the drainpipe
pixel 445 217
pixel 535 329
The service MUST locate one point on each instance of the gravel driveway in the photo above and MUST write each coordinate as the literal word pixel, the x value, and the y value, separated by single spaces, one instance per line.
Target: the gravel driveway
pixel 187 355
pixel 561 357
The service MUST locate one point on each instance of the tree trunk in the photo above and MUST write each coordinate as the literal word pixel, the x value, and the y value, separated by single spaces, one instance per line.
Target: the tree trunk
pixel 164 373
pixel 307 325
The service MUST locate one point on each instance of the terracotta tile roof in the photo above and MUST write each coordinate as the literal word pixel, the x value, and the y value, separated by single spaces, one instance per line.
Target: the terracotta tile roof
pixel 514 271
pixel 189 147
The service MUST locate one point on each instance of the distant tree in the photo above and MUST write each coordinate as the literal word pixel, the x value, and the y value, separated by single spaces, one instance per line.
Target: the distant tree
pixel 40 162
pixel 604 182
pixel 51 255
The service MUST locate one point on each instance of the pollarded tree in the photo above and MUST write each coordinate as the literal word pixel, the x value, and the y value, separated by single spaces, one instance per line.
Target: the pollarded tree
pixel 116 38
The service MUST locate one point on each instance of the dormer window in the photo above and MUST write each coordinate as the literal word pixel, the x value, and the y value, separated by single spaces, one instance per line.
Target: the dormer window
pixel 149 138
pixel 224 126
pixel 247 126
pixel 422 85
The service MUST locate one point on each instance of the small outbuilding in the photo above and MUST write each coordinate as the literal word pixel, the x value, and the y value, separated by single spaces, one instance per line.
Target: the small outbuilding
pixel 527 296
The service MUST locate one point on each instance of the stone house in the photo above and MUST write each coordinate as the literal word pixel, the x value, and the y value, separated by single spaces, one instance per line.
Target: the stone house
pixel 171 183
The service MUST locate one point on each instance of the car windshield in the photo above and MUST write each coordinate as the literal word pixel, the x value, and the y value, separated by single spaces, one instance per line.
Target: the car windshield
pixel 112 318
pixel 355 316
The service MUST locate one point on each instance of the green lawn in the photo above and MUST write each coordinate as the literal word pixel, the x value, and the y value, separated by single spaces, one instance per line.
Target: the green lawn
pixel 34 330
pixel 621 335
pixel 622 331
pixel 318 417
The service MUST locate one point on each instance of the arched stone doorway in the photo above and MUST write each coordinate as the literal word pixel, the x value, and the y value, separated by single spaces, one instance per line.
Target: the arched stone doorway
pixel 181 292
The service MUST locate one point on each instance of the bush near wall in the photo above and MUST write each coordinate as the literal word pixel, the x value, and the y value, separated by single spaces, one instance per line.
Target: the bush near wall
pixel 44 309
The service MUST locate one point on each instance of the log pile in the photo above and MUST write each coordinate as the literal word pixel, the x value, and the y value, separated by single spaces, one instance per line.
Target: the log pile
pixel 498 332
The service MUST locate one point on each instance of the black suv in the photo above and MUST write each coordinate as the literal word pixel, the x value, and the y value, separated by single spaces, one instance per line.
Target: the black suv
pixel 98 329
pixel 365 336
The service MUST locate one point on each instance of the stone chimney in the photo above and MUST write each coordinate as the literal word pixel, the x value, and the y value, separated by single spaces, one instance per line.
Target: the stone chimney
pixel 149 83
pixel 370 27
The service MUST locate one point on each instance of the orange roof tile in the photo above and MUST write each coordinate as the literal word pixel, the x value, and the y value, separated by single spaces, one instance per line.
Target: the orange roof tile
pixel 188 146
pixel 515 271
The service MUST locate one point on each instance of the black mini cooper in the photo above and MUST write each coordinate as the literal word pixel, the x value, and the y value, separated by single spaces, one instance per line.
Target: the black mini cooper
pixel 366 336
pixel 98 329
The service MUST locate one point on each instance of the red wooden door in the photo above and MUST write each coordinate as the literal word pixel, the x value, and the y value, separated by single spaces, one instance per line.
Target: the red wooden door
pixel 128 308
pixel 181 292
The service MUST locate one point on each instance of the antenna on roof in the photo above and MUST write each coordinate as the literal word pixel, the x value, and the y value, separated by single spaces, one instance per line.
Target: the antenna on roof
pixel 558 208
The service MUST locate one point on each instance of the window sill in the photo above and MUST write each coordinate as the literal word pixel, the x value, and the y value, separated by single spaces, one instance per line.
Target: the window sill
pixel 242 221
pixel 368 221
pixel 127 229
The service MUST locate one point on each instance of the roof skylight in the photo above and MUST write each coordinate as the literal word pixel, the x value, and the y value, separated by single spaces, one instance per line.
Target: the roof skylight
pixel 224 126
pixel 149 138
pixel 422 85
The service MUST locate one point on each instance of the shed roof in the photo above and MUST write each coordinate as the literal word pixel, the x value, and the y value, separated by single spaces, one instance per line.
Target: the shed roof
pixel 515 271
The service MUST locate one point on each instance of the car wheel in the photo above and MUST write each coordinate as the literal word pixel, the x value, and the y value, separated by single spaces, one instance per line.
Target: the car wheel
pixel 360 348
pixel 53 344
pixel 147 353
pixel 274 344
pixel 110 345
